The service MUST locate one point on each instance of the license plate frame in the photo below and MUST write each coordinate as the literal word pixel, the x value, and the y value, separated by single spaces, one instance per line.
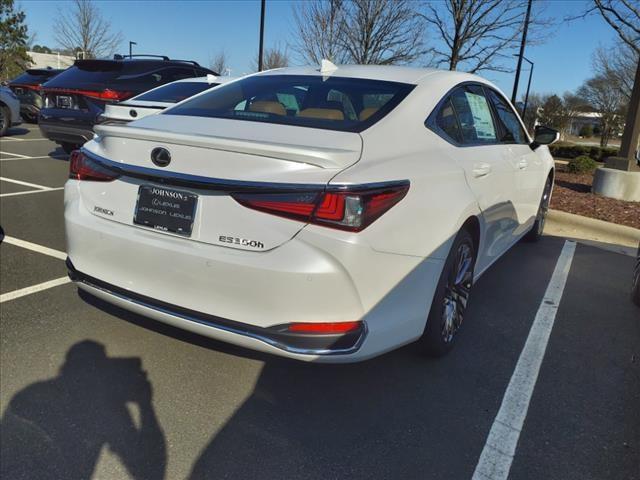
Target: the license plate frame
pixel 166 209
pixel 64 101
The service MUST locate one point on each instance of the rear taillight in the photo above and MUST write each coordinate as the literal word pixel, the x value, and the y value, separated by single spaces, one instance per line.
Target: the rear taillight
pixel 325 328
pixel 82 167
pixel 353 209
pixel 107 94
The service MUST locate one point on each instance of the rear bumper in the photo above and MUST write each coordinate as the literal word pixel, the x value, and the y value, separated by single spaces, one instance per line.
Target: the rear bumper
pixel 75 134
pixel 278 337
pixel 244 297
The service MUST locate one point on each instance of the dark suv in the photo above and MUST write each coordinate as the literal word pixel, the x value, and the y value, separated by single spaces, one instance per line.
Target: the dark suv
pixel 77 97
pixel 27 89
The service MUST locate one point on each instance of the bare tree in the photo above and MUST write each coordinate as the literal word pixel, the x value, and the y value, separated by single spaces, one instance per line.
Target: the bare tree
pixel 382 32
pixel 275 57
pixel 607 101
pixel 623 16
pixel 219 62
pixel 477 34
pixel 318 24
pixel 83 28
pixel 619 64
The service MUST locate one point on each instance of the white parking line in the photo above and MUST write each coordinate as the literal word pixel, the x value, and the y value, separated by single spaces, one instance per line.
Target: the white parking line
pixel 26 184
pixel 57 157
pixel 14 154
pixel 5 297
pixel 25 139
pixel 28 192
pixel 34 247
pixel 500 447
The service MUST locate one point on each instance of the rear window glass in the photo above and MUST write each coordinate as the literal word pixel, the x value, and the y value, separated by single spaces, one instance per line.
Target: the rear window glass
pixel 334 103
pixel 137 75
pixel 175 92
pixel 34 77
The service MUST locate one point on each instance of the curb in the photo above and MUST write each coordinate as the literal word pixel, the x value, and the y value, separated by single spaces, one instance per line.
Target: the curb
pixel 584 228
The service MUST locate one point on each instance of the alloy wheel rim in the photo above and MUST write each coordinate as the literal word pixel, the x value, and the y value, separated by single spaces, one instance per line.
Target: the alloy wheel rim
pixel 457 292
pixel 544 206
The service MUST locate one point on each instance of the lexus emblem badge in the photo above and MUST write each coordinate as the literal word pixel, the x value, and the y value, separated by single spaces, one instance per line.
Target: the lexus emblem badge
pixel 160 156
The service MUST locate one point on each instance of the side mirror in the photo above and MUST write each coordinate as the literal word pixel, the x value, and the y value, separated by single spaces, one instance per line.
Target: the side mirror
pixel 544 136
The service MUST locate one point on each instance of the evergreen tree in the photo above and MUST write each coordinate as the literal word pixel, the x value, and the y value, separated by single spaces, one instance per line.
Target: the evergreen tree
pixel 13 41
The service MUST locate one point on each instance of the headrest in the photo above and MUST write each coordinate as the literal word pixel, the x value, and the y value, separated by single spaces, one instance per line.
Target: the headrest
pixel 266 106
pixel 323 113
pixel 367 112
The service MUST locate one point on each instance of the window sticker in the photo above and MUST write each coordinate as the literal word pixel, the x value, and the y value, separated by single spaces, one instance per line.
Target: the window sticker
pixel 482 121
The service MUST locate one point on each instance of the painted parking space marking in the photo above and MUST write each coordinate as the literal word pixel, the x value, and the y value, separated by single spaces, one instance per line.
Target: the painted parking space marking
pixel 500 448
pixel 25 184
pixel 11 139
pixel 34 247
pixel 29 192
pixel 14 154
pixel 56 157
pixel 5 297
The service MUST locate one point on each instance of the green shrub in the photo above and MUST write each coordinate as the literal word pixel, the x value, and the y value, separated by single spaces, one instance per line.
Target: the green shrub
pixel 564 150
pixel 586 131
pixel 582 164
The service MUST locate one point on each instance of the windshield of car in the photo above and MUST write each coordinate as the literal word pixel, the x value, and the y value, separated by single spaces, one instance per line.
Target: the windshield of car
pixel 175 92
pixel 334 103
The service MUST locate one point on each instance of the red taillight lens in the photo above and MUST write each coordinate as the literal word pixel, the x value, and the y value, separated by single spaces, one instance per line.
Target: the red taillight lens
pixel 353 209
pixel 83 168
pixel 107 94
pixel 324 327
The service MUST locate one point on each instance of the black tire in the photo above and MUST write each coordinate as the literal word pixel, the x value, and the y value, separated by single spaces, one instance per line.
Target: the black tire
pixel 451 297
pixel 635 286
pixel 537 230
pixel 69 147
pixel 5 120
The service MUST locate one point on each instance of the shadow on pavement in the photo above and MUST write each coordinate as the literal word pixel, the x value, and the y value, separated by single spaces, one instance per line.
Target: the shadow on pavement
pixel 56 428
pixel 17 131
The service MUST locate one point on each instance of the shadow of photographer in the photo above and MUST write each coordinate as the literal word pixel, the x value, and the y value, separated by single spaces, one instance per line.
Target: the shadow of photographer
pixel 57 428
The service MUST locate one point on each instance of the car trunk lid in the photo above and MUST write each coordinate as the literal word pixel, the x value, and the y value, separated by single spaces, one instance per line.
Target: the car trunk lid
pixel 209 160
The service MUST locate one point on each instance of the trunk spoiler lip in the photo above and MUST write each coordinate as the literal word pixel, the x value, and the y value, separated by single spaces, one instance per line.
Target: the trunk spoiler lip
pixel 229 186
pixel 328 157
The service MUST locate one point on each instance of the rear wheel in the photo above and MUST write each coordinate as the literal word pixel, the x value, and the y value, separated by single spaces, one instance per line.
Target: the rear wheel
pixel 451 297
pixel 5 120
pixel 538 227
pixel 69 147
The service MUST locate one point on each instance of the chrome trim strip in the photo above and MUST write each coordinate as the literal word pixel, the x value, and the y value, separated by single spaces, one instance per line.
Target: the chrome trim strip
pixel 225 328
pixel 220 184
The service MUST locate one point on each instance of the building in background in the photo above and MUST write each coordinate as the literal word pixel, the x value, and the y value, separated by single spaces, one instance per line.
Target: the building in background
pixel 582 120
pixel 53 60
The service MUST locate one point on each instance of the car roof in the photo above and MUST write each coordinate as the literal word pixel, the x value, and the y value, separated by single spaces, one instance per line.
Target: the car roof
pixel 390 73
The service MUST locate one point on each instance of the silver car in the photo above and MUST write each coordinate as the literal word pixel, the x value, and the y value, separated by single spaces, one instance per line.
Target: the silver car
pixel 9 110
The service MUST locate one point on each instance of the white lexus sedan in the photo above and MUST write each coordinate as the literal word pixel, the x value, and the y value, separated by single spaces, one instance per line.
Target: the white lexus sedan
pixel 325 215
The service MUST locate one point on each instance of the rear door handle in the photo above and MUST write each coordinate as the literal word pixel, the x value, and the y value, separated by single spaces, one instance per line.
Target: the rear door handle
pixel 522 164
pixel 481 169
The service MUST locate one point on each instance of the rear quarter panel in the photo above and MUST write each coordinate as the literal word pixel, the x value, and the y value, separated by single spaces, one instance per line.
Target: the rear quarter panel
pixel 439 201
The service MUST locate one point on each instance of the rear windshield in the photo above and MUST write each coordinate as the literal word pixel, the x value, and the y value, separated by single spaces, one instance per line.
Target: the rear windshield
pixel 35 77
pixel 334 103
pixel 137 76
pixel 175 92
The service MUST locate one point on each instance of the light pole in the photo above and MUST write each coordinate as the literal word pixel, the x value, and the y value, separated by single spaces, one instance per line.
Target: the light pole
pixel 526 96
pixel 131 44
pixel 521 54
pixel 261 35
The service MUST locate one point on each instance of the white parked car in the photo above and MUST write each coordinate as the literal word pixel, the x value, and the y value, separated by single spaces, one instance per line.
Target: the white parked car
pixel 324 215
pixel 9 110
pixel 157 99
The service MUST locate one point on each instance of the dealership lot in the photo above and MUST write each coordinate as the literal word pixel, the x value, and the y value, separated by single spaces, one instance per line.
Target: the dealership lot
pixel 217 411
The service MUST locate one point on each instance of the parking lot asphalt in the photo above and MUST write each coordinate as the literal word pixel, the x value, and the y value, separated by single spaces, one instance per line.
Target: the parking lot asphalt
pixel 91 391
